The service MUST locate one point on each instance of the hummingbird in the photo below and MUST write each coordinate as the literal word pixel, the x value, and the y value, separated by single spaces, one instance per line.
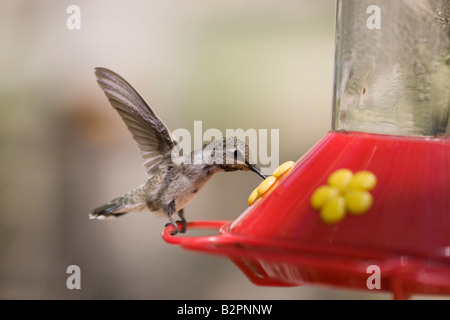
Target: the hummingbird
pixel 171 185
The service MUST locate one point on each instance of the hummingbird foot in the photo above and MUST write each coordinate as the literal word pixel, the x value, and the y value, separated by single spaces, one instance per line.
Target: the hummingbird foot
pixel 183 221
pixel 174 224
pixel 170 210
pixel 184 225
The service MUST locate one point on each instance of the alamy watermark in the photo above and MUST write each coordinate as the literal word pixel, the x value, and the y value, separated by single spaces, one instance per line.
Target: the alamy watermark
pixel 374 20
pixel 374 280
pixel 73 21
pixel 257 141
pixel 74 280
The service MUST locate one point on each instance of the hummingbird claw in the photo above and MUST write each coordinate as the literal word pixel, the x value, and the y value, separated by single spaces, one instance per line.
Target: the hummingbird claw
pixel 175 230
pixel 184 226
pixel 183 220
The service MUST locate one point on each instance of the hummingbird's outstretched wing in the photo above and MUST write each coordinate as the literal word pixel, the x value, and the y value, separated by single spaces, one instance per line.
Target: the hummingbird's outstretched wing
pixel 152 136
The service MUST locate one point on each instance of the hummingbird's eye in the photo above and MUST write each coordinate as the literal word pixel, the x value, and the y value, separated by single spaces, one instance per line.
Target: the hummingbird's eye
pixel 238 156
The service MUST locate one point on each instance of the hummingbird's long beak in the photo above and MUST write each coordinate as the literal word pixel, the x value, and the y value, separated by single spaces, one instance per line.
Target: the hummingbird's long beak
pixel 256 169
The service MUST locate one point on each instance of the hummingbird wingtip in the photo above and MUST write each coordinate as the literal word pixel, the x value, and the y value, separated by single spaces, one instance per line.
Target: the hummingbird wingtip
pixel 99 68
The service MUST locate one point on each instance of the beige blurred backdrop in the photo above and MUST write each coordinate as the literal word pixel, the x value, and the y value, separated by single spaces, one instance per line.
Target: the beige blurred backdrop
pixel 64 150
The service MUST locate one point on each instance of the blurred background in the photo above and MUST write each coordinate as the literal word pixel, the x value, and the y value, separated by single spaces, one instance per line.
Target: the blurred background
pixel 64 150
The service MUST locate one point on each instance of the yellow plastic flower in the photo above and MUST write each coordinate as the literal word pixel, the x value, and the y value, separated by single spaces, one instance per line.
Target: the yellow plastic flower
pixel 269 181
pixel 345 192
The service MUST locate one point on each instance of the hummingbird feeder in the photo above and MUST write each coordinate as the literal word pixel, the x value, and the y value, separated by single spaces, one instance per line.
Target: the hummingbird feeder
pixel 374 194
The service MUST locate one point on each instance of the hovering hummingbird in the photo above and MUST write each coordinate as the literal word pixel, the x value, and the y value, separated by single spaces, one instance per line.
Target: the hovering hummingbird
pixel 170 186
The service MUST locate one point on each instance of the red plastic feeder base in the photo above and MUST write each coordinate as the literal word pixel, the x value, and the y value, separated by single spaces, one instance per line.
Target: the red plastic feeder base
pixel 281 241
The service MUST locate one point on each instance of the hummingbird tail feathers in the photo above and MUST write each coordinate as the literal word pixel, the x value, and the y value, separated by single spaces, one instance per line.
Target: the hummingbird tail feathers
pixel 107 211
pixel 131 201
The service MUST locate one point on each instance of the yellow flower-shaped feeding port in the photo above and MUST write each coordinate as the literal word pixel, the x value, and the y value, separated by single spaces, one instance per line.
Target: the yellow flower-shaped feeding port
pixel 270 181
pixel 345 192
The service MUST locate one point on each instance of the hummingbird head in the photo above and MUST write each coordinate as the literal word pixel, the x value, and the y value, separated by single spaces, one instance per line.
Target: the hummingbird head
pixel 231 154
